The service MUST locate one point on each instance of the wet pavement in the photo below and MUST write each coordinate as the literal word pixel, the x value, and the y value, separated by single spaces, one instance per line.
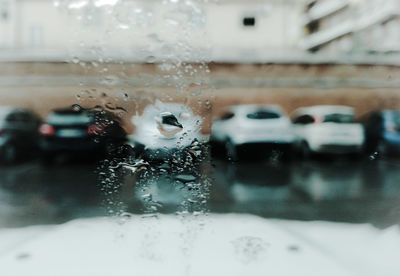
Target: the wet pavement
pixel 347 190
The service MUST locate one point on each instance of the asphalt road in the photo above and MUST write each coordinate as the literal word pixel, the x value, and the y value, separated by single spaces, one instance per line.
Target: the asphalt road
pixel 360 191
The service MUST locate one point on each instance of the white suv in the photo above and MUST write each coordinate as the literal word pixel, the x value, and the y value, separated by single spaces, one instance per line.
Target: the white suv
pixel 327 129
pixel 252 124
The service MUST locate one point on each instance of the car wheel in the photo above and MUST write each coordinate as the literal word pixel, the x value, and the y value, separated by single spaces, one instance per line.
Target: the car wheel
pixel 9 153
pixel 231 151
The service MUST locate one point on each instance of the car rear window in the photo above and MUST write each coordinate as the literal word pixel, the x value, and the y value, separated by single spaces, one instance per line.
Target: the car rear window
pixel 18 117
pixel 263 114
pixel 69 118
pixel 339 118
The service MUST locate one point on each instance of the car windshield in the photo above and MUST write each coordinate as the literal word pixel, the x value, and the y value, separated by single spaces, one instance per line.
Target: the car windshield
pixel 339 118
pixel 263 115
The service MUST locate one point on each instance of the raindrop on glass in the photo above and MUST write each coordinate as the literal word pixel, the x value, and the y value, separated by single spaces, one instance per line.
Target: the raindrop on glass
pixel 75 60
pixel 76 107
pixel 150 59
pixel 373 156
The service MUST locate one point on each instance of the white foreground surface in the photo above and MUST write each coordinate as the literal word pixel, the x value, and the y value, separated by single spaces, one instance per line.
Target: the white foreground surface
pixel 214 245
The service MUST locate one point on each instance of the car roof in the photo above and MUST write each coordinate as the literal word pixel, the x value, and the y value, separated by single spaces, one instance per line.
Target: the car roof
pixel 390 111
pixel 159 107
pixel 5 110
pixel 323 109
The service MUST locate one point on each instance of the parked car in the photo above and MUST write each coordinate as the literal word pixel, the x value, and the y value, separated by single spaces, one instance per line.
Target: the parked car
pixel 73 131
pixel 252 124
pixel 18 133
pixel 327 129
pixel 167 130
pixel 382 132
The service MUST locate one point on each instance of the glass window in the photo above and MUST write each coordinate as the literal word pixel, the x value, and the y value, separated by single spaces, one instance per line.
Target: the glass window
pixel 163 147
pixel 339 118
pixel 263 114
pixel 249 21
pixel 227 116
pixel 304 120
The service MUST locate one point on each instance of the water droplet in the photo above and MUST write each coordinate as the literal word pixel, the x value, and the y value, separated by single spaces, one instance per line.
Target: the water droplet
pixel 374 156
pixel 146 196
pixel 150 59
pixel 249 249
pixel 75 60
pixel 172 22
pixel 185 178
pixel 126 215
pixel 293 248
pixel 76 107
pixel 123 26
pixel 125 96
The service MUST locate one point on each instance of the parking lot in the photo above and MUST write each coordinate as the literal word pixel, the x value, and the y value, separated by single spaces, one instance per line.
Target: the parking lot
pixel 333 189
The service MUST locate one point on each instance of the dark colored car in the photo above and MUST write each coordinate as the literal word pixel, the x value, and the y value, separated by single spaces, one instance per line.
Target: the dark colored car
pixel 382 132
pixel 79 131
pixel 18 134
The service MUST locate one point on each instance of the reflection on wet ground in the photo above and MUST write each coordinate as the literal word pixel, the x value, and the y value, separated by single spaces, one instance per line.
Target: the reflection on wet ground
pixel 335 190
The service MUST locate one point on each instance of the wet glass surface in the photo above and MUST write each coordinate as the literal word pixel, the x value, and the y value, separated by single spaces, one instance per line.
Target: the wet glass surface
pixel 141 184
pixel 334 189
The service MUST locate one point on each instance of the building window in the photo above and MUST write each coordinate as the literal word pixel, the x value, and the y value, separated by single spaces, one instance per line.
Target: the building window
pixel 249 21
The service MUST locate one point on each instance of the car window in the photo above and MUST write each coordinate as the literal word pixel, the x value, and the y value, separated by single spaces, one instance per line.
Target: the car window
pixel 227 116
pixel 69 118
pixel 304 120
pixel 263 115
pixel 339 118
pixel 18 117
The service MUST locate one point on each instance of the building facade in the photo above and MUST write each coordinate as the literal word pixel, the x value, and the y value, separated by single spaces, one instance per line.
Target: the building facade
pixel 220 29
pixel 352 26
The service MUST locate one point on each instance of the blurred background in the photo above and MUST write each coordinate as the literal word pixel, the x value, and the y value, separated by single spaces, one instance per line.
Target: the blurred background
pixel 73 73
